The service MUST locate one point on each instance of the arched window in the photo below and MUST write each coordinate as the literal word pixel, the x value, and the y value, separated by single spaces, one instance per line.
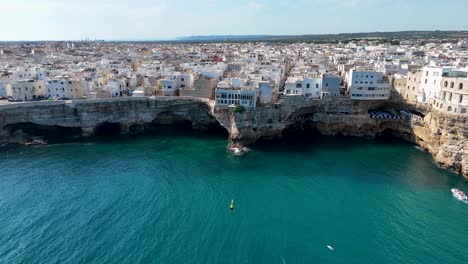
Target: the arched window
pixel 452 84
pixel 449 109
pixel 460 86
pixel 463 111
pixel 445 84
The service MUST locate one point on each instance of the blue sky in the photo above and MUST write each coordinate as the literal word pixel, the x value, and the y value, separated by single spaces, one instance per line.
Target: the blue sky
pixel 162 19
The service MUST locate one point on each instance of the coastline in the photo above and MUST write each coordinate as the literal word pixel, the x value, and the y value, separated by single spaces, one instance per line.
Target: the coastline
pixel 442 135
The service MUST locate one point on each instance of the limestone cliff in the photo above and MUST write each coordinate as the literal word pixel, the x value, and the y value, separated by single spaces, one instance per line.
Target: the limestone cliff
pixel 444 136
pixel 22 122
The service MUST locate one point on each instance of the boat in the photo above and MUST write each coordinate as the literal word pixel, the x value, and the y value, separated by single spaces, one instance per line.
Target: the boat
pixel 330 248
pixel 36 142
pixel 459 194
pixel 232 205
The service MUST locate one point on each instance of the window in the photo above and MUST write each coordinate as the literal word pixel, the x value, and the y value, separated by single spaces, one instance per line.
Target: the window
pixel 460 99
pixel 460 86
pixel 317 86
pixel 427 73
pixel 463 110
pixel 452 84
pixel 308 85
pixel 69 82
pixel 298 85
pixel 449 109
pixel 425 81
pixel 445 84
pixel 182 79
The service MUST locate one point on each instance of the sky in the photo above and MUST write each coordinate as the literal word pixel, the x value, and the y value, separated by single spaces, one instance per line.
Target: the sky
pixel 167 19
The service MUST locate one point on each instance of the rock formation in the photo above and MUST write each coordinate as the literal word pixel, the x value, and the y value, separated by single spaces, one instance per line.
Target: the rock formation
pixel 444 136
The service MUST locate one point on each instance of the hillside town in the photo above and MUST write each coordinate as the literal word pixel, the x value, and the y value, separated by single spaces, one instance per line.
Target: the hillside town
pixel 246 75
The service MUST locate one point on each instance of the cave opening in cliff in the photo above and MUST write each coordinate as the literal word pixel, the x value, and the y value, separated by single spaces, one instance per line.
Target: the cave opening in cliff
pixel 108 129
pixel 180 126
pixel 390 135
pixel 29 131
pixel 302 129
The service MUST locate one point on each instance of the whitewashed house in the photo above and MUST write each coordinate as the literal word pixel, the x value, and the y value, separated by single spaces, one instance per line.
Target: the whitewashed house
pixel 226 95
pixel 64 88
pixel 367 84
pixel 26 90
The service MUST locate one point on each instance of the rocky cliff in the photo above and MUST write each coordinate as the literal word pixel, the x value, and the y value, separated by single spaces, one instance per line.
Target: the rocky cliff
pixel 23 122
pixel 444 136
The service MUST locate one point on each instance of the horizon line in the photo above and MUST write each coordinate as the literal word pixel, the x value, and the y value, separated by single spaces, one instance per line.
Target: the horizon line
pixel 181 38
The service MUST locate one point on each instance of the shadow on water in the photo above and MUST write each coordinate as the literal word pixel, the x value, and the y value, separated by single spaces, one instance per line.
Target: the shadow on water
pixel 307 139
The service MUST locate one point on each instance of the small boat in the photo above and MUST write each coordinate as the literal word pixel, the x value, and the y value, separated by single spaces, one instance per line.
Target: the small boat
pixel 459 194
pixel 36 142
pixel 232 205
pixel 330 248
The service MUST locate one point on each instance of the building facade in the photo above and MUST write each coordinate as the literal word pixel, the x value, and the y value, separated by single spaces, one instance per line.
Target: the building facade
pixel 27 90
pixel 64 89
pixel 225 97
pixel 331 84
pixel 368 85
pixel 203 87
pixel 454 94
pixel 413 90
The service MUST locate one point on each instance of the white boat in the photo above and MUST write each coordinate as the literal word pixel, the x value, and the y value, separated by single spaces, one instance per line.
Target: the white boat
pixel 459 194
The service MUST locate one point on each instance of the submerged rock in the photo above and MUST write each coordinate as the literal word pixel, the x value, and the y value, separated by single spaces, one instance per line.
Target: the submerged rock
pixel 237 149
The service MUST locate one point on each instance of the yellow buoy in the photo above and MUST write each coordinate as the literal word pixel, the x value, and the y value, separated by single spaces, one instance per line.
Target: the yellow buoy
pixel 232 205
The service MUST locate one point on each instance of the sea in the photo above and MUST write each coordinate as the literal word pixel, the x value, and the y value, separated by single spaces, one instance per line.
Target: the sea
pixel 165 198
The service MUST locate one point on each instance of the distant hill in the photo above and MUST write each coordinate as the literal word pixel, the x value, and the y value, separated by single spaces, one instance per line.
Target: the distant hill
pixel 400 35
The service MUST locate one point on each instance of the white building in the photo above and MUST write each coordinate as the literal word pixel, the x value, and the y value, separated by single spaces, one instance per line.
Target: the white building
pixel 454 93
pixel 365 84
pixel 184 81
pixel 26 90
pixel 169 86
pixel 430 85
pixel 226 95
pixel 64 88
pixel 308 87
pixel 293 86
pixel 312 87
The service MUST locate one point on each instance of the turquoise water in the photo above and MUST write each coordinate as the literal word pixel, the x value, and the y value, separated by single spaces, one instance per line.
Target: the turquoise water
pixel 165 199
